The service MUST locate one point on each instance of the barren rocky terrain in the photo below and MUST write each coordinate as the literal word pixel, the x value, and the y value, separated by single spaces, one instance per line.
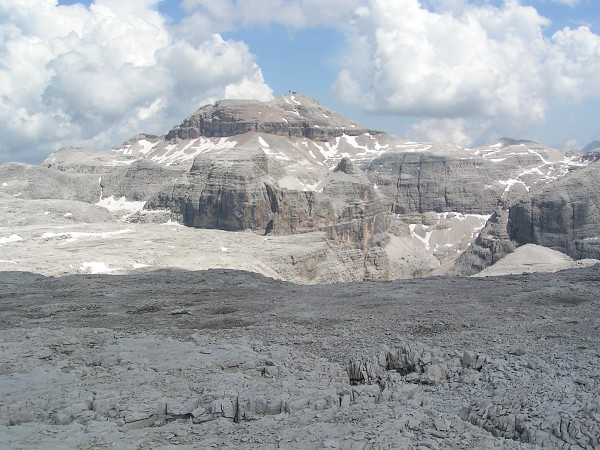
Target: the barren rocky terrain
pixel 228 359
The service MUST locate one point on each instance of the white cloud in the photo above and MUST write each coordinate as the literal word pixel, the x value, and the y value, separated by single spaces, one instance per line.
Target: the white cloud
pixel 441 130
pixel 465 61
pixel 95 76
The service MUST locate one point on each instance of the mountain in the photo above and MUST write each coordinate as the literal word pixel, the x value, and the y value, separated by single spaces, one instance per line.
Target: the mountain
pixel 594 145
pixel 379 207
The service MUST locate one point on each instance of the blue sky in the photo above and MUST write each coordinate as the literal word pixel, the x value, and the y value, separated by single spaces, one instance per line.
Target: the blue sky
pixel 463 71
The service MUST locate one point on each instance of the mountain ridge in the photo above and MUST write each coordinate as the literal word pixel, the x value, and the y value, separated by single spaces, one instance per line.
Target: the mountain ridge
pixel 270 167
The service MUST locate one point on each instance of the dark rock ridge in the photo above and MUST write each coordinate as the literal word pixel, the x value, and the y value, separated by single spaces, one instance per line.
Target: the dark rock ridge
pixel 490 246
pixel 240 192
pixel 595 145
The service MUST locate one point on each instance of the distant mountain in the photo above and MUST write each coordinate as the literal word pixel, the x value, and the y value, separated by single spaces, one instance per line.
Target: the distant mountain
pixel 595 145
pixel 292 165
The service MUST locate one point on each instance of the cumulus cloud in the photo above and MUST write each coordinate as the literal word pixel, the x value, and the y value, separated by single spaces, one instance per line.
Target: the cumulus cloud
pixel 491 65
pixel 95 76
pixel 441 130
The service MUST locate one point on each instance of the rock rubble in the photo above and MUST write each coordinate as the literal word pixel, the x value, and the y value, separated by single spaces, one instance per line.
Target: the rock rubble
pixel 235 360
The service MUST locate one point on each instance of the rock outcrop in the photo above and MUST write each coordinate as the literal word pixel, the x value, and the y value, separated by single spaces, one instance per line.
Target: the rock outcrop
pixel 564 215
pixel 491 245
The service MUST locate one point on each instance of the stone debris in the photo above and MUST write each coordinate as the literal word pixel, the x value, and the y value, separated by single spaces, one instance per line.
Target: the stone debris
pixel 325 371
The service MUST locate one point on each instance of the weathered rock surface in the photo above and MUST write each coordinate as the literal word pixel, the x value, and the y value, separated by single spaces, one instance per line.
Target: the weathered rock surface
pixel 422 182
pixel 26 181
pixel 293 115
pixel 564 216
pixel 491 245
pixel 235 360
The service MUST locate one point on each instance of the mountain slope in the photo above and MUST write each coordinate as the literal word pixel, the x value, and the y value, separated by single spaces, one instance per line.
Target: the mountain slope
pixel 294 166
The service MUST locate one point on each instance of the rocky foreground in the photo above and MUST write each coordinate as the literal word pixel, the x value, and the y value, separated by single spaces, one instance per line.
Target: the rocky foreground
pixel 228 359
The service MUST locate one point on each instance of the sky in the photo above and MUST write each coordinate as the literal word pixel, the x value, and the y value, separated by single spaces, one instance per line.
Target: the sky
pixel 94 73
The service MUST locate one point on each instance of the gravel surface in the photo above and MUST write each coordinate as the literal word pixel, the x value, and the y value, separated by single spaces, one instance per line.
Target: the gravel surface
pixel 229 359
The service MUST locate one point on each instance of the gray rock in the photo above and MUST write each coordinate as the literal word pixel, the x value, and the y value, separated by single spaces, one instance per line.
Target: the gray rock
pixel 300 116
pixel 565 215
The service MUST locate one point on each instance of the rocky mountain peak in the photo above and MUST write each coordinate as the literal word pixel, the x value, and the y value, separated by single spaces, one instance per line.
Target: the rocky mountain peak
pixel 346 166
pixel 290 115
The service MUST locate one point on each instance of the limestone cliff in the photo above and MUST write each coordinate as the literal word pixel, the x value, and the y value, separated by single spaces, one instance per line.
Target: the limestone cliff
pixel 564 215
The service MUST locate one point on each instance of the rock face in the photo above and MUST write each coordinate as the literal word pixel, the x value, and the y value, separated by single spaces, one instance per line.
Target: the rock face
pixel 422 182
pixel 26 181
pixel 564 216
pixel 293 166
pixel 491 245
pixel 242 193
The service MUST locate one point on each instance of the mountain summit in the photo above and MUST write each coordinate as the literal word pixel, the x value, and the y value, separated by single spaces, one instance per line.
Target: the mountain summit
pixel 291 115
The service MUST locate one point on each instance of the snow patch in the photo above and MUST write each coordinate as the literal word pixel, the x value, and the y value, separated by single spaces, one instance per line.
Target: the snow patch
pixel 511 182
pixel 423 239
pixel 174 154
pixel 263 142
pixel 451 229
pixel 331 149
pixel 94 267
pixel 146 146
pixel 74 235
pixel 121 204
pixel 10 239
